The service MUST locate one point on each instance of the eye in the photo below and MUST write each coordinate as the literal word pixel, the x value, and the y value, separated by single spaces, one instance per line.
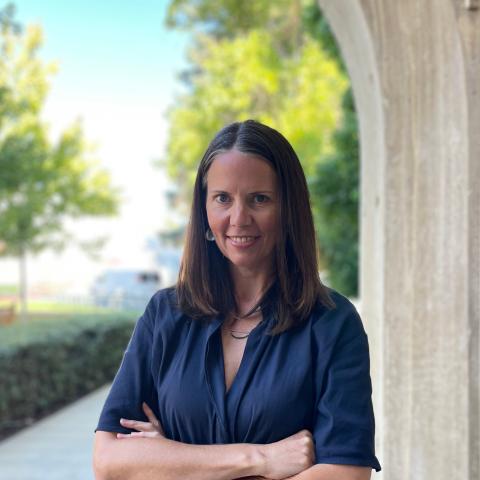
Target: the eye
pixel 221 198
pixel 260 198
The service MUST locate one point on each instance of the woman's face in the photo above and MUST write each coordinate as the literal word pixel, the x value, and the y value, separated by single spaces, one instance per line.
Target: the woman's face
pixel 243 209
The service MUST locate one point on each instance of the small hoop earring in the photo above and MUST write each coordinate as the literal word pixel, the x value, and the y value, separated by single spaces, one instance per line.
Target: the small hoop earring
pixel 209 235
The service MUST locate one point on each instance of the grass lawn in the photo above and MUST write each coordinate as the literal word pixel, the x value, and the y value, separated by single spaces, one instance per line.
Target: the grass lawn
pixel 45 311
pixel 8 290
pixel 48 306
pixel 43 320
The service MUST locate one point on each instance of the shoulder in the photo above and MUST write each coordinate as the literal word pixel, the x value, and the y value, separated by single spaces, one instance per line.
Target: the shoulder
pixel 161 307
pixel 341 321
pixel 165 297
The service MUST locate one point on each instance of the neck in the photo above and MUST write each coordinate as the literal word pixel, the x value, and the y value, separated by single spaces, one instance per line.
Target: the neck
pixel 250 286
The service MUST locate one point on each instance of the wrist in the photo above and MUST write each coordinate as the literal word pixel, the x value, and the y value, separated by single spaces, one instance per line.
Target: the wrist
pixel 257 460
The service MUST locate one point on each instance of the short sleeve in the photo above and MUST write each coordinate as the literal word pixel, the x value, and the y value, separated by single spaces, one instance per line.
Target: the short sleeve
pixel 344 425
pixel 133 382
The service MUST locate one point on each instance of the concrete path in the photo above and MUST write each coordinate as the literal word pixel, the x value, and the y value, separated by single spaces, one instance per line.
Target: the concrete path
pixel 59 447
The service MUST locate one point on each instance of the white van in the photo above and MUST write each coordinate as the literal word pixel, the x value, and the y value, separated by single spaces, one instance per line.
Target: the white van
pixel 124 289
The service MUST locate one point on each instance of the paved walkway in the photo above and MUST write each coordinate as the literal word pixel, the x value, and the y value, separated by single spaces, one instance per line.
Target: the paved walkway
pixel 59 447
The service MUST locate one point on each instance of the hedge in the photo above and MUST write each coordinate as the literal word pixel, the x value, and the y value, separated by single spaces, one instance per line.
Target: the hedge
pixel 47 364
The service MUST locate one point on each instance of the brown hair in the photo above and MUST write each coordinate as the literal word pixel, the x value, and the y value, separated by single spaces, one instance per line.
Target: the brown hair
pixel 204 286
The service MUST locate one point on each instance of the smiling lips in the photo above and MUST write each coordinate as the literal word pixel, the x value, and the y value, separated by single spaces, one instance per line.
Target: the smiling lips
pixel 243 241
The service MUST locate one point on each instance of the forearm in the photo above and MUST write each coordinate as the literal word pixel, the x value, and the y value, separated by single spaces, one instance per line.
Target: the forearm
pixel 325 471
pixel 164 459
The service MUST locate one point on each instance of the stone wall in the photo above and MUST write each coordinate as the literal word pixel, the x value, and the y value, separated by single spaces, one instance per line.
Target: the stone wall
pixel 415 71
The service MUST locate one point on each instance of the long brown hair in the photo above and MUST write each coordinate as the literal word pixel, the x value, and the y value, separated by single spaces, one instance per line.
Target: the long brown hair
pixel 204 287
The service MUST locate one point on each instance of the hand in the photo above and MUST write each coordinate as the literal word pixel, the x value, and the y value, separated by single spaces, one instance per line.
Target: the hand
pixel 289 456
pixel 253 478
pixel 149 429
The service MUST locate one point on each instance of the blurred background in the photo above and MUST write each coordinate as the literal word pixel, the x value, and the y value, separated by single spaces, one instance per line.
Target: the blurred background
pixel 107 114
pixel 105 111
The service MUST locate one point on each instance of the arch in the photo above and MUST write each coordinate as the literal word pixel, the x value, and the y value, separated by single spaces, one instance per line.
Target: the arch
pixel 349 26
pixel 414 68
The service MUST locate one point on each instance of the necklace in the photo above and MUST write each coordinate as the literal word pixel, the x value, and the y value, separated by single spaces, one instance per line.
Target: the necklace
pixel 258 308
pixel 243 334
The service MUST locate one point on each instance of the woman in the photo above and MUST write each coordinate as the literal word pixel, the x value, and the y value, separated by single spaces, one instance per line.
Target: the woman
pixel 249 366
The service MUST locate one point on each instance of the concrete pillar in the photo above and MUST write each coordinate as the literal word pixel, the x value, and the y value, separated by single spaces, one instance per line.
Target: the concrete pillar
pixel 415 70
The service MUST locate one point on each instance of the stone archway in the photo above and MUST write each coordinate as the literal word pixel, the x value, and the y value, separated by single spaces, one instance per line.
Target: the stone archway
pixel 415 72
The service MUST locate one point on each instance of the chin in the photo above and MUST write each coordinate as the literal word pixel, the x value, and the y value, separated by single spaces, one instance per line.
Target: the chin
pixel 251 264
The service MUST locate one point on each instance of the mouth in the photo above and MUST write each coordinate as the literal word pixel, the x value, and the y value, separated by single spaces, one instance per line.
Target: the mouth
pixel 243 240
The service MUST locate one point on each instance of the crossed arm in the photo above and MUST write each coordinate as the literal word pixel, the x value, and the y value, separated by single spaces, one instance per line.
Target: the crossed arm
pixel 149 455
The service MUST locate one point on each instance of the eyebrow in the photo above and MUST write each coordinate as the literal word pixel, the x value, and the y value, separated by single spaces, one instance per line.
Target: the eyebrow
pixel 251 193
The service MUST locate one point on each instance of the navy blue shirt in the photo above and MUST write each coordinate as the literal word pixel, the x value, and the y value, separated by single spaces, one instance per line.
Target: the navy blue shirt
pixel 315 376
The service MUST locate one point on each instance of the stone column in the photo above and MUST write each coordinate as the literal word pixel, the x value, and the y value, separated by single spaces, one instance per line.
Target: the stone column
pixel 415 71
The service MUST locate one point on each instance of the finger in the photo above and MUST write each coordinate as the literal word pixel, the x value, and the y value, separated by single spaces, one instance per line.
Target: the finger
pixel 138 425
pixel 149 413
pixel 138 435
pixel 153 419
pixel 131 435
pixel 123 435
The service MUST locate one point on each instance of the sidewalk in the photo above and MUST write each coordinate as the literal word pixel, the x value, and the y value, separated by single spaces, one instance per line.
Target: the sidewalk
pixel 59 447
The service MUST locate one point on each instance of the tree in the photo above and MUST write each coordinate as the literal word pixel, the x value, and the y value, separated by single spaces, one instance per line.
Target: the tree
pixel 41 182
pixel 250 73
pixel 277 62
pixel 233 18
pixel 335 182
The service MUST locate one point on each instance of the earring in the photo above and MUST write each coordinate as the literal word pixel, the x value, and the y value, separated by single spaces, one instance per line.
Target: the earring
pixel 209 235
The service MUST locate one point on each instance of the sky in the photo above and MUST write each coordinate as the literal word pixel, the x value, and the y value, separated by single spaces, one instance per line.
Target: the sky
pixel 118 70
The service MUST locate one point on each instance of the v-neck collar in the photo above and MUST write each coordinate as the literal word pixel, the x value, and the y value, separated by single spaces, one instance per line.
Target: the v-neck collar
pixel 226 403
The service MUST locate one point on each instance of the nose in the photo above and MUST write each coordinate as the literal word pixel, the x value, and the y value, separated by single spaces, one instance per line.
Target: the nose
pixel 240 216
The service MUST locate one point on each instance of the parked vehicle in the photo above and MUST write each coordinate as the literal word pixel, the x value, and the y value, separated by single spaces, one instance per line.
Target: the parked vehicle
pixel 168 262
pixel 125 289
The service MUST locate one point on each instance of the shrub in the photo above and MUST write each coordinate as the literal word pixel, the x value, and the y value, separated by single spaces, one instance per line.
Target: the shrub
pixel 46 364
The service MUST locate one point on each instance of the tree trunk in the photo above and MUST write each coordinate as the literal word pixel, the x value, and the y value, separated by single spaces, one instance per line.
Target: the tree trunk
pixel 23 285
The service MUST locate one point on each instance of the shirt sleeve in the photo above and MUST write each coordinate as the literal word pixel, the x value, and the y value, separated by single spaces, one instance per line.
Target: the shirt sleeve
pixel 133 382
pixel 344 424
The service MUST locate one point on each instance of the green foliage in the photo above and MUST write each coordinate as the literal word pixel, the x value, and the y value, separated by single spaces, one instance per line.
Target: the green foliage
pixel 251 74
pixel 221 19
pixel 232 18
pixel 336 184
pixel 41 182
pixel 317 27
pixel 279 63
pixel 47 364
